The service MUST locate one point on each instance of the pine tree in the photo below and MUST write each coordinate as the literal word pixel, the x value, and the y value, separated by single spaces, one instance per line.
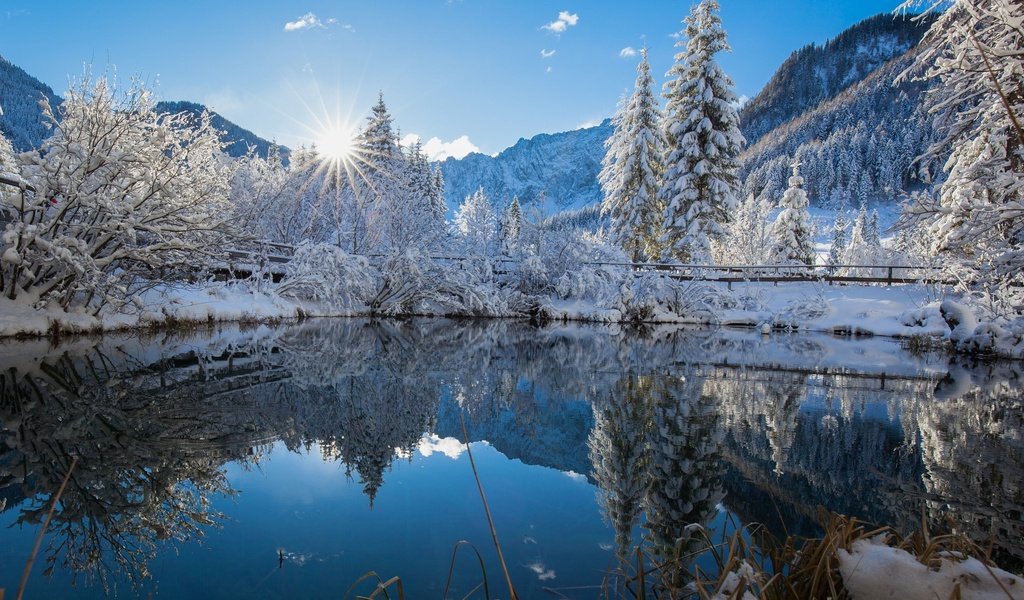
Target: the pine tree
pixel 703 140
pixel 748 237
pixel 512 226
pixel 631 170
pixel 873 234
pixel 792 229
pixel 8 168
pixel 839 241
pixel 377 144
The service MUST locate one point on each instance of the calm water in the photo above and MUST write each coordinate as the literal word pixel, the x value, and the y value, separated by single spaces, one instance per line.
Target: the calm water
pixel 287 462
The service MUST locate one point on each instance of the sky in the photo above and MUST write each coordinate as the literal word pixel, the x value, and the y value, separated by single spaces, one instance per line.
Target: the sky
pixel 460 75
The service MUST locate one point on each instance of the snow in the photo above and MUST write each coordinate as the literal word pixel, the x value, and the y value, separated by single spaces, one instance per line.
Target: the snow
pixel 872 570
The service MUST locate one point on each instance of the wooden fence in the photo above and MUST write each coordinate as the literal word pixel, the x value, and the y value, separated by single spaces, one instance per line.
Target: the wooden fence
pixel 272 257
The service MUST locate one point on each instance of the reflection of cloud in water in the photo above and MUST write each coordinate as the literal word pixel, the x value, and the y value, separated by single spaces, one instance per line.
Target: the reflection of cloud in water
pixel 298 559
pixel 606 546
pixel 576 476
pixel 543 573
pixel 450 447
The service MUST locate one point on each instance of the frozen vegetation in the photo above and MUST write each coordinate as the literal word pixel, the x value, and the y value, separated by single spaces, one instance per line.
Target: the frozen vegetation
pixel 124 215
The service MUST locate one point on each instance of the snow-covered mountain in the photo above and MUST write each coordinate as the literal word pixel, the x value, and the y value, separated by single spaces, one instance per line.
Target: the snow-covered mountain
pixel 20 93
pixel 833 104
pixel 815 74
pixel 561 166
pixel 23 125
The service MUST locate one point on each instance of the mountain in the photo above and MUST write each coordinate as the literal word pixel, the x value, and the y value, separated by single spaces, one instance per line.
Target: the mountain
pixel 561 166
pixel 833 106
pixel 814 74
pixel 20 93
pixel 239 140
pixel 836 110
pixel 23 125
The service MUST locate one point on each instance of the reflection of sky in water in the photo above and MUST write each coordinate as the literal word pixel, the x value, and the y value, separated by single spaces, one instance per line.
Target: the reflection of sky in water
pixel 775 440
pixel 298 504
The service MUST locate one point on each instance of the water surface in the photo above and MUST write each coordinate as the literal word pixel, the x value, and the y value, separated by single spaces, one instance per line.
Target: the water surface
pixel 288 462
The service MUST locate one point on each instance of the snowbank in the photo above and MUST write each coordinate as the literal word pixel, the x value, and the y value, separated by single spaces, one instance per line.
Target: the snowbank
pixel 872 570
pixel 897 311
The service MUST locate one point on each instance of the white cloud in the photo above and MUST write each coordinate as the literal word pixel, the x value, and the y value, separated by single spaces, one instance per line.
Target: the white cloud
pixel 627 52
pixel 436 149
pixel 311 21
pixel 564 21
pixel 547 53
pixel 741 102
pixel 548 70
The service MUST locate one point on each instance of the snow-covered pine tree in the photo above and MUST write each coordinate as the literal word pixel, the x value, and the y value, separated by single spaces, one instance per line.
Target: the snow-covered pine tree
pixel 873 232
pixel 792 229
pixel 703 140
pixel 974 51
pixel 511 226
pixel 839 240
pixel 477 222
pixel 377 143
pixel 631 170
pixel 859 251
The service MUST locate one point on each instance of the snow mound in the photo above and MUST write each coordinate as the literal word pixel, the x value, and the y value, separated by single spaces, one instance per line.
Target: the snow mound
pixel 872 570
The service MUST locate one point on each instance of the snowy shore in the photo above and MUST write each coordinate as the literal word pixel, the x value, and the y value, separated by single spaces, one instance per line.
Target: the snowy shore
pixel 897 311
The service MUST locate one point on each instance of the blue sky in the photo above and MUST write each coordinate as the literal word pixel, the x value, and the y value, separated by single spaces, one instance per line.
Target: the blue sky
pixel 490 70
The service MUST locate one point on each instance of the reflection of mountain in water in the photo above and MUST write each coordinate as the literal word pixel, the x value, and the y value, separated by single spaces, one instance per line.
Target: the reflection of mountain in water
pixel 667 423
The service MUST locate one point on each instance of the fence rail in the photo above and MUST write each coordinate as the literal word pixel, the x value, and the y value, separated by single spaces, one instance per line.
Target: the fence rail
pixel 271 256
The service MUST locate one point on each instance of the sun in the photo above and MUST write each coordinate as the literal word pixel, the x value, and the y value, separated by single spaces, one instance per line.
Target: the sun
pixel 335 144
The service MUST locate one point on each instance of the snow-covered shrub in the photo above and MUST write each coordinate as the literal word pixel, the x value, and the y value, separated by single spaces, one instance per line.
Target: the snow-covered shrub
pixel 747 239
pixel 582 265
pixel 656 297
pixel 125 197
pixel 406 281
pixel 327 274
pixel 531 276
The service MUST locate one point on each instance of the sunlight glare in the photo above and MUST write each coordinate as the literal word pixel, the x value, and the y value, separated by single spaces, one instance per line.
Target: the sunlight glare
pixel 335 143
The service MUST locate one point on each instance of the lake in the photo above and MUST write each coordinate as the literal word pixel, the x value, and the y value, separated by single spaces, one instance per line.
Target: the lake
pixel 290 461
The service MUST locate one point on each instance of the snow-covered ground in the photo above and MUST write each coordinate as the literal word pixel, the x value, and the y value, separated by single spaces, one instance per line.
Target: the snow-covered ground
pixel 899 311
pixel 873 570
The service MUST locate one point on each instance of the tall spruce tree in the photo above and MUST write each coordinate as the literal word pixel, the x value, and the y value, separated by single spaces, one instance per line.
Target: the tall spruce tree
pixel 700 184
pixel 511 226
pixel 631 170
pixel 839 241
pixel 792 229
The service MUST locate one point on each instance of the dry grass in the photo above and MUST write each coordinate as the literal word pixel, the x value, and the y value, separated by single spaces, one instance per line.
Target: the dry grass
pixel 753 561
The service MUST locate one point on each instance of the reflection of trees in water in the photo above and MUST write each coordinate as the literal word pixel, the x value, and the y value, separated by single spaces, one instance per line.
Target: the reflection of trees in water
pixel 667 419
pixel 134 448
pixel 684 486
pixel 972 449
pixel 619 454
